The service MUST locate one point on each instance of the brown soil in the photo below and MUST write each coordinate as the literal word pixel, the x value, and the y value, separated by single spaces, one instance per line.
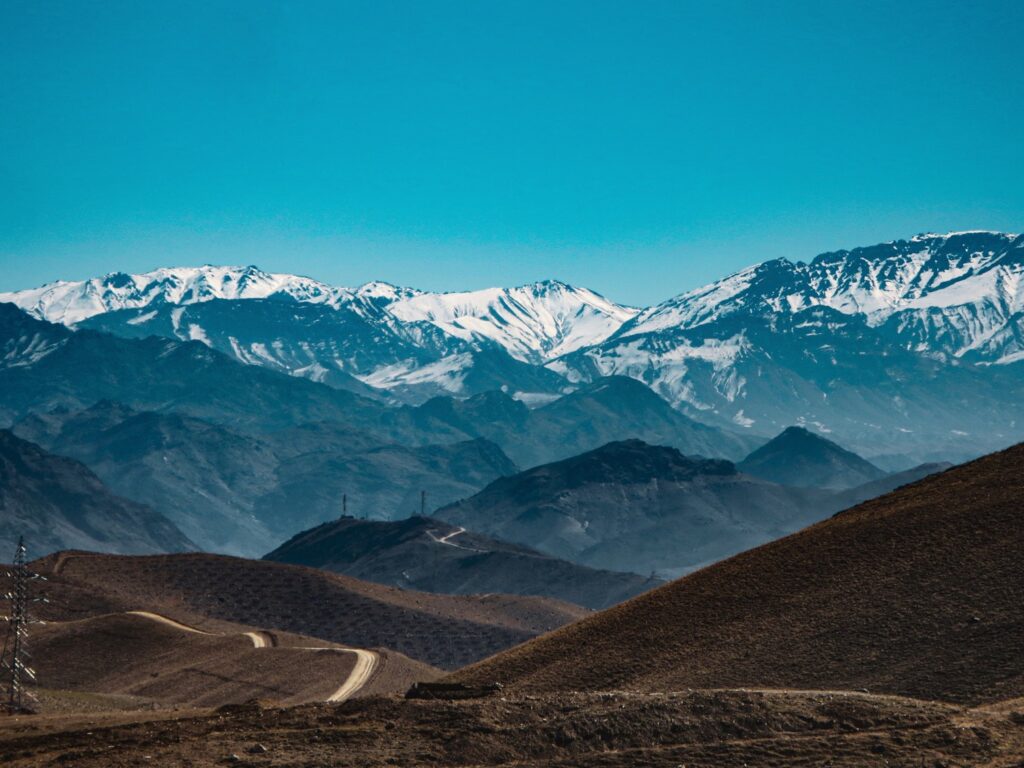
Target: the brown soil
pixel 917 593
pixel 126 661
pixel 139 657
pixel 209 590
pixel 697 729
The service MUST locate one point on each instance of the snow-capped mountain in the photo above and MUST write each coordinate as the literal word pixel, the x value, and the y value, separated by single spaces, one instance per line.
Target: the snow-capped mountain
pixel 872 341
pixel 71 302
pixel 533 323
pixel 890 348
pixel 392 338
pixel 940 294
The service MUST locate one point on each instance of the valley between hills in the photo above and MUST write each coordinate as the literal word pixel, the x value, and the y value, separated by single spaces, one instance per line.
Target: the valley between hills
pixel 271 522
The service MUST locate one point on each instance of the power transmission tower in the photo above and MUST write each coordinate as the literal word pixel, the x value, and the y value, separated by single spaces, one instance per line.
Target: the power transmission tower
pixel 14 659
pixel 423 503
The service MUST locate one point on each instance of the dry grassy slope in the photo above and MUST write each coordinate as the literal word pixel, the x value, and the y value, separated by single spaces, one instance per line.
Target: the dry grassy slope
pixel 440 630
pixel 133 655
pixel 919 592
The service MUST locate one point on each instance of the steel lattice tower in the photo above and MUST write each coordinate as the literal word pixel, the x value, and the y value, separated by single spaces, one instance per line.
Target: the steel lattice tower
pixel 17 673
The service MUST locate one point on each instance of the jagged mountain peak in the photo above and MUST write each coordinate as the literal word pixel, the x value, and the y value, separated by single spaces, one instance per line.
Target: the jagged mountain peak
pixel 878 280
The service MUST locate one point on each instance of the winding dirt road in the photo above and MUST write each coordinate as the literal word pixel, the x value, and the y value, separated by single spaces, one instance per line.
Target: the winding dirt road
pixel 362 671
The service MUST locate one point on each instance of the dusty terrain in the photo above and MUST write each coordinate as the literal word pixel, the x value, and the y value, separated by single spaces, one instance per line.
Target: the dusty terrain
pixel 698 729
pixel 145 658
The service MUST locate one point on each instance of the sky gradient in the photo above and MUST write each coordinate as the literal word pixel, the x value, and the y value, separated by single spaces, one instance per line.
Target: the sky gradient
pixel 638 148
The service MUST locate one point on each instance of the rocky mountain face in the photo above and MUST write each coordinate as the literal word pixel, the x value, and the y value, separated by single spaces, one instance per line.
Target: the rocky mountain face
pixel 801 458
pixel 57 503
pixel 45 366
pixel 637 507
pixel 433 556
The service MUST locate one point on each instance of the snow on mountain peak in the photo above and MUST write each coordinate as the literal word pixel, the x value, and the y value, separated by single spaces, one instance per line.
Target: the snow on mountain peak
pixel 70 302
pixel 927 271
pixel 533 322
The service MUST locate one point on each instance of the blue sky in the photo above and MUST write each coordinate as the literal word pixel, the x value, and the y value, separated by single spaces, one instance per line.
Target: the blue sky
pixel 639 148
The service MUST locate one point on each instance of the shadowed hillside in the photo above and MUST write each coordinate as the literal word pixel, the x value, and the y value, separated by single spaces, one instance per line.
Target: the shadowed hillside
pixel 631 506
pixel 919 592
pixel 801 458
pixel 434 556
pixel 57 502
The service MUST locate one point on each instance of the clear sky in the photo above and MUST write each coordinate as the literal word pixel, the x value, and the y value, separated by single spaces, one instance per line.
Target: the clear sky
pixel 640 148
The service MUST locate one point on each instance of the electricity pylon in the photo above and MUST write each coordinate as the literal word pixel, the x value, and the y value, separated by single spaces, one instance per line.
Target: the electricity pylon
pixel 14 666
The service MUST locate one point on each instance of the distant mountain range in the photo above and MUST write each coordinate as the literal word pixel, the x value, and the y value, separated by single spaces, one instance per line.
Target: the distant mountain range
pixel 905 352
pixel 907 347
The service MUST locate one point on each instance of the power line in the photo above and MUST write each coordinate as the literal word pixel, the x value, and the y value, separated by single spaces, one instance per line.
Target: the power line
pixel 14 658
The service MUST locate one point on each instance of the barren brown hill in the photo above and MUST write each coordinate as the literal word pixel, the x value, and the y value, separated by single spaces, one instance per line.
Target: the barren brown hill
pixel 208 590
pixel 151 659
pixel 919 593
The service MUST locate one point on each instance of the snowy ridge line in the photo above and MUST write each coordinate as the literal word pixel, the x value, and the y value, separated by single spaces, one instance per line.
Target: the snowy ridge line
pixel 533 323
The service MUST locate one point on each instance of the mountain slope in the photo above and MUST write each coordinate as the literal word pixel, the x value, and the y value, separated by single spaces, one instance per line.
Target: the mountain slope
pixel 915 593
pixel 434 556
pixel 801 458
pixel 205 477
pixel 56 503
pixel 442 630
pixel 382 483
pixel 630 506
pixel 871 490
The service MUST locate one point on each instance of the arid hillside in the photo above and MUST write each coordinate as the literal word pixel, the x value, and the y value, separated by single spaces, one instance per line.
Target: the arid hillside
pixel 208 590
pixel 917 593
pixel 144 659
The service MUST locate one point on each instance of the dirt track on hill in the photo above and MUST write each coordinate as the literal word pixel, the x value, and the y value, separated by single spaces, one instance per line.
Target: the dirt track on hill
pixel 362 670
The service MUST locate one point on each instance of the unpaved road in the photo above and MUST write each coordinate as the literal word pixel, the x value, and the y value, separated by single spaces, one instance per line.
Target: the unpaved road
pixel 366 663
pixel 362 671
pixel 447 539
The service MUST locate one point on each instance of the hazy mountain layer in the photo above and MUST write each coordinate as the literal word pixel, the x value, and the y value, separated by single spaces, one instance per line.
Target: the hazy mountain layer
pixel 434 556
pixel 637 507
pixel 57 503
